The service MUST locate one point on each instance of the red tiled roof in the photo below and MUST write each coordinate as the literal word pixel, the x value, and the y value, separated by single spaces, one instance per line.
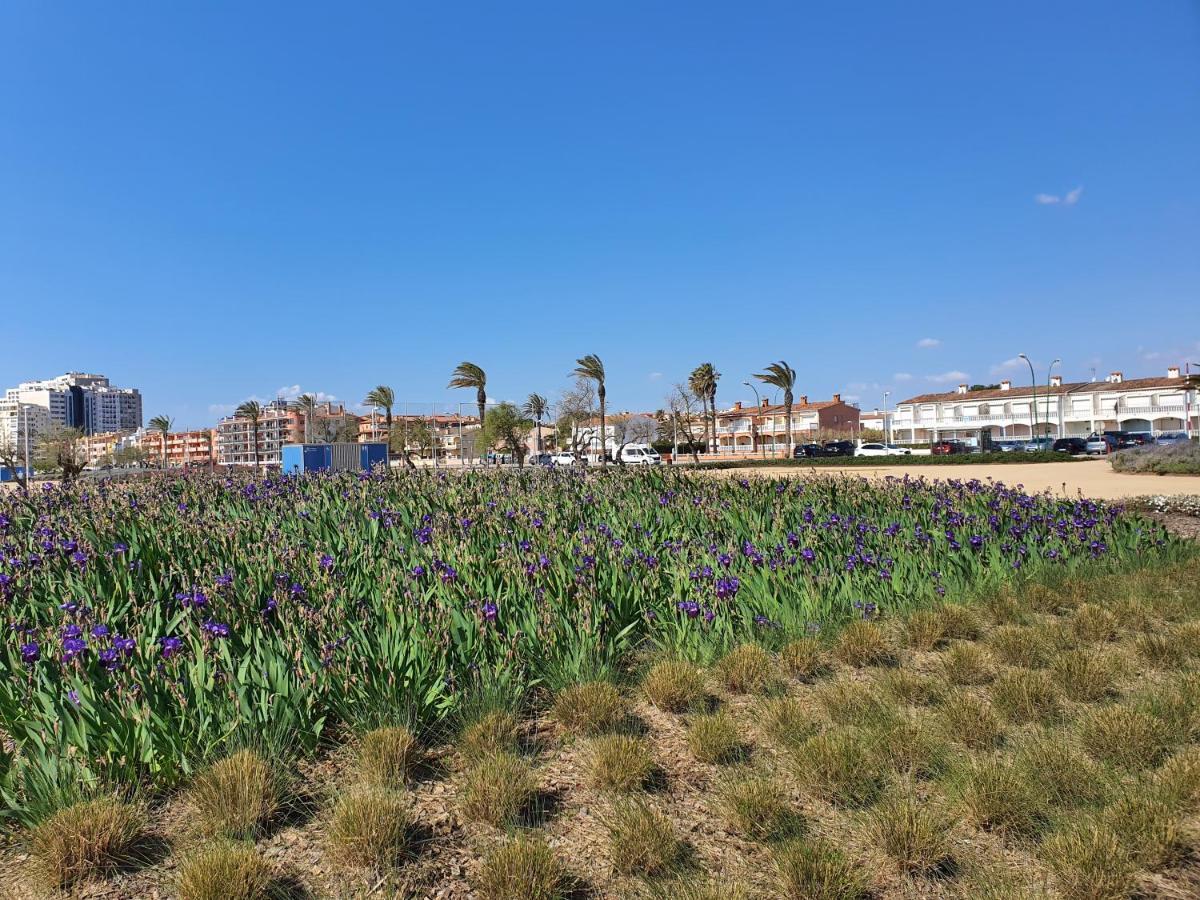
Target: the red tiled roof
pixel 780 408
pixel 1075 387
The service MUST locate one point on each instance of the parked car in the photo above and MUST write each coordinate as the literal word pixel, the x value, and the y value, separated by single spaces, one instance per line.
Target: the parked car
pixel 1122 439
pixel 563 458
pixel 539 459
pixel 808 451
pixel 1006 446
pixel 946 448
pixel 878 449
pixel 1101 444
pixel 1141 438
pixel 1072 445
pixel 1038 444
pixel 838 448
pixel 640 455
pixel 1172 437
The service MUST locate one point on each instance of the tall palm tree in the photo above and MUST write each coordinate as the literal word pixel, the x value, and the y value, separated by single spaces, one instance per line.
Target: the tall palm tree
pixel 383 397
pixel 592 369
pixel 703 382
pixel 535 407
pixel 469 375
pixel 781 375
pixel 162 424
pixel 306 405
pixel 251 410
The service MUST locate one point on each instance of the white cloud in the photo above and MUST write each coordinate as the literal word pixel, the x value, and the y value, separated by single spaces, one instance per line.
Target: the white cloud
pixel 293 391
pixel 952 377
pixel 221 409
pixel 1068 199
pixel 928 343
pixel 1009 365
pixel 654 376
pixel 902 376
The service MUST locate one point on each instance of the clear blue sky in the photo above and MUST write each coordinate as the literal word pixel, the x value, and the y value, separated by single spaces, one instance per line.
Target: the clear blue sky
pixel 213 201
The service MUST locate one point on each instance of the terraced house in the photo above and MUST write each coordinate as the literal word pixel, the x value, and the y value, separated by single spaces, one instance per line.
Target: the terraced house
pixel 763 427
pixel 1072 409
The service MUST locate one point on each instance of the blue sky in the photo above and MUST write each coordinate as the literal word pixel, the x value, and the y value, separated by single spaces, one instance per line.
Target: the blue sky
pixel 222 200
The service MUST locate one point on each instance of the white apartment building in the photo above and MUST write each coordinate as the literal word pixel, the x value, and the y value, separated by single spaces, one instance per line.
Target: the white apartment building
pixel 79 400
pixel 1076 409
pixel 279 424
pixel 16 419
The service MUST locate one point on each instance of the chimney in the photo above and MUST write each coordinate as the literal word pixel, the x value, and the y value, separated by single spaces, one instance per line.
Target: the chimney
pixel 1116 377
pixel 1173 371
pixel 962 388
pixel 804 399
pixel 765 402
pixel 837 398
pixel 737 404
pixel 1055 381
pixel 1006 385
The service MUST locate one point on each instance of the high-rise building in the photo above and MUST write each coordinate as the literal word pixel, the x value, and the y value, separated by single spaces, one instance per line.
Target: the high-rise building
pixel 278 424
pixel 83 401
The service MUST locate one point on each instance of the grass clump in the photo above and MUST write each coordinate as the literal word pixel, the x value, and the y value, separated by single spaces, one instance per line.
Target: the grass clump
pixel 995 794
pixel 237 797
pixel 619 762
pixel 1062 773
pixel 495 731
pixel 864 643
pixel 1178 779
pixel 714 738
pixel 967 664
pixel 914 834
pixel 911 747
pixel 804 659
pixel 589 708
pixel 1094 624
pixel 1017 645
pixel 1025 695
pixel 1161 650
pixel 498 789
pixel 1177 706
pixel 91 839
pixel 906 686
pixel 695 888
pixel 840 766
pixel 674 686
pixel 816 870
pixel 642 841
pixel 524 868
pixel 923 629
pixel 757 807
pixel 1085 675
pixel 1089 863
pixel 1148 826
pixel 388 755
pixel 224 871
pixel 959 623
pixel 1124 736
pixel 786 721
pixel 848 702
pixel 747 669
pixel 370 827
pixel 970 721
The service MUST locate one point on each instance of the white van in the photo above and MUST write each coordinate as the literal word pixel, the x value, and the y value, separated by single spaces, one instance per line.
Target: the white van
pixel 640 455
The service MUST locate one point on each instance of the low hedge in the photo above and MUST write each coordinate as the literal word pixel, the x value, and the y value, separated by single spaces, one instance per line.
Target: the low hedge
pixel 954 459
pixel 1154 459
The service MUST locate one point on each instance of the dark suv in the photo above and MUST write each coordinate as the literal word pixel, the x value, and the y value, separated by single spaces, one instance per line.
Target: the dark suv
pixel 839 448
pixel 1073 445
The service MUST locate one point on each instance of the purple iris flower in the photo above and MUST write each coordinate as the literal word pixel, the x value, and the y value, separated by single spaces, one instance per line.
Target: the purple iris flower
pixel 99 631
pixel 30 652
pixel 72 647
pixel 489 611
pixel 216 629
pixel 170 646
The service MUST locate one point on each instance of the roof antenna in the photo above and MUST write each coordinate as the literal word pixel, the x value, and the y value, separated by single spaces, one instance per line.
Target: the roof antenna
pixel 1093 373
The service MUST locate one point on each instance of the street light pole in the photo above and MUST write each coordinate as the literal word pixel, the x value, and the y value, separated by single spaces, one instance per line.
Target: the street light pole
pixel 1060 418
pixel 757 406
pixel 887 431
pixel 1033 402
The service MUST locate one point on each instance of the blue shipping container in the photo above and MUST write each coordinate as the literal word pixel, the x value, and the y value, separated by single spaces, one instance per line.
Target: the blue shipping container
pixel 7 474
pixel 344 457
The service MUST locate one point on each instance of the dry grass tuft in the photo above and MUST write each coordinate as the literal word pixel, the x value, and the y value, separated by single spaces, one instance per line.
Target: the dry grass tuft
pixel 224 871
pixel 849 702
pixel 967 664
pixel 92 839
pixel 923 629
pixel 864 643
pixel 590 708
pixel 699 889
pixel 674 686
pixel 1148 826
pixel 1161 650
pixel 1026 695
pixel 1062 773
pixel 804 659
pixel 642 841
pixel 1089 863
pixel 619 762
pixel 525 868
pixel 840 766
pixel 1094 624
pixel 1085 675
pixel 496 731
pixel 786 721
pixel 498 789
pixel 910 746
pixel 715 737
pixel 370 827
pixel 915 834
pixel 959 623
pixel 1017 645
pixel 1125 737
pixel 757 807
pixel 1178 780
pixel 1177 705
pixel 970 721
pixel 237 797
pixel 388 756
pixel 816 870
pixel 906 686
pixel 747 669
pixel 995 794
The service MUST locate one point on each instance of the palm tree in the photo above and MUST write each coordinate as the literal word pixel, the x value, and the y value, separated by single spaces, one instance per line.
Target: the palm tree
pixel 469 375
pixel 592 369
pixel 535 407
pixel 162 424
pixel 703 382
pixel 306 405
pixel 782 376
pixel 383 397
pixel 251 410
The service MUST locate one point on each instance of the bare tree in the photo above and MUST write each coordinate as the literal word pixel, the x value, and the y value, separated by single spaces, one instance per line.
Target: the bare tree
pixel 684 418
pixel 631 429
pixel 10 458
pixel 577 410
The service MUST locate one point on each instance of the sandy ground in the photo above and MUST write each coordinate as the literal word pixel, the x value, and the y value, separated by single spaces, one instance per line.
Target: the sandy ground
pixel 1091 478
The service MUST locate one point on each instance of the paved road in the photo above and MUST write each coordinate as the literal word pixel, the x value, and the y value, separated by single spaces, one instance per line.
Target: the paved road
pixel 1092 478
